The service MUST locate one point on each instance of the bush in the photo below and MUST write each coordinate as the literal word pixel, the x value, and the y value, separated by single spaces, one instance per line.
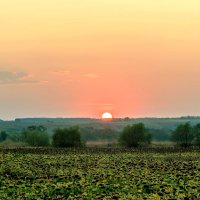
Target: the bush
pixel 197 135
pixel 67 137
pixel 35 137
pixel 135 135
pixel 183 135
pixel 3 136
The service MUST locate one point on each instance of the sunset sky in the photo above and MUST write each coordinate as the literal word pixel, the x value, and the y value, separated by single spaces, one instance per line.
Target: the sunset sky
pixel 80 58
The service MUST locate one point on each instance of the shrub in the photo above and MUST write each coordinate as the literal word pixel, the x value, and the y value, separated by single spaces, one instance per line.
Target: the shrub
pixel 197 135
pixel 135 135
pixel 183 135
pixel 35 137
pixel 67 137
pixel 3 136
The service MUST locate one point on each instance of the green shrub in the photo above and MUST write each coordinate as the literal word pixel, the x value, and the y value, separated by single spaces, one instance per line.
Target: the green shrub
pixel 3 136
pixel 197 135
pixel 183 135
pixel 67 137
pixel 36 136
pixel 135 135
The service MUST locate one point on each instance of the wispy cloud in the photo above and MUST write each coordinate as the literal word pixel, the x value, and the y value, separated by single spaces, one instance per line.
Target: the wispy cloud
pixel 60 72
pixel 8 77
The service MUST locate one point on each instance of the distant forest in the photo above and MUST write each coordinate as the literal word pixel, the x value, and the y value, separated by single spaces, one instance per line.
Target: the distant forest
pixel 96 129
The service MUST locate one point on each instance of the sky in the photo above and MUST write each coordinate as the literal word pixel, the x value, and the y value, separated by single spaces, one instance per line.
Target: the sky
pixel 80 58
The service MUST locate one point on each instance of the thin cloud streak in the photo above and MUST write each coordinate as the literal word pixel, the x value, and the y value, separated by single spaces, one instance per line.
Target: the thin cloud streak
pixel 8 77
pixel 60 72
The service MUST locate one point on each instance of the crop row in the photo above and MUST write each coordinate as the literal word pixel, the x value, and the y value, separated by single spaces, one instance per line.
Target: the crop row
pixel 98 175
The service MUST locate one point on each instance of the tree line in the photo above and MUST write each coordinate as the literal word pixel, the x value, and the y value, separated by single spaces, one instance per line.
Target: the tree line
pixel 136 135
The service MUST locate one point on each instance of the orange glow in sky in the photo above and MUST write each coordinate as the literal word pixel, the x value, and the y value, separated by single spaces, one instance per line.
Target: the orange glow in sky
pixel 80 58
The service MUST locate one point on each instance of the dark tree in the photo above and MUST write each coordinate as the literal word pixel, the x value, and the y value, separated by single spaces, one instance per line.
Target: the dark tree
pixel 135 135
pixel 197 134
pixel 35 136
pixel 3 136
pixel 67 137
pixel 183 135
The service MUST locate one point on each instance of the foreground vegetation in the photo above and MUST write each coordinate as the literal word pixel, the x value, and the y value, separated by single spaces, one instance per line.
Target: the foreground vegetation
pixel 49 173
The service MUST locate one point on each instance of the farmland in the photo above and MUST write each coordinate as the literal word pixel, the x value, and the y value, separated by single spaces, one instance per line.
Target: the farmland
pixel 92 173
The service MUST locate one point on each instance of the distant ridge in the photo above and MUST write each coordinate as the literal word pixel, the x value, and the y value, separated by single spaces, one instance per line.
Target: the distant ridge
pixel 82 120
pixel 190 117
pixel 32 120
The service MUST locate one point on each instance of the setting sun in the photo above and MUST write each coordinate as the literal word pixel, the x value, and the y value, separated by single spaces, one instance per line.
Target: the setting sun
pixel 106 116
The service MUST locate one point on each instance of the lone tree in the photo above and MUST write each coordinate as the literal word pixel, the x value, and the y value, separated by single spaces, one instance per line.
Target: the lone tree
pixel 183 135
pixel 67 137
pixel 135 135
pixel 35 136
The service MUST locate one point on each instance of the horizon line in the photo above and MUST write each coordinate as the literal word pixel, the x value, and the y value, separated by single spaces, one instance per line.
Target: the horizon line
pixel 97 118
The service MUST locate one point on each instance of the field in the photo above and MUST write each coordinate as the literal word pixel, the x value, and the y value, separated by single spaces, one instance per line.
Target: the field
pixel 93 173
